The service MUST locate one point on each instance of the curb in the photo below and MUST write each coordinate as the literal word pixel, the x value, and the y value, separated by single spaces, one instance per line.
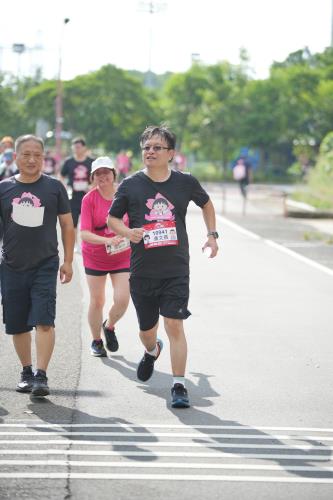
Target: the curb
pixel 294 208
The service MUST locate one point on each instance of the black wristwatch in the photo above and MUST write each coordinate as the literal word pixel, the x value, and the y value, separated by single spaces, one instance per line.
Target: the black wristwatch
pixel 215 234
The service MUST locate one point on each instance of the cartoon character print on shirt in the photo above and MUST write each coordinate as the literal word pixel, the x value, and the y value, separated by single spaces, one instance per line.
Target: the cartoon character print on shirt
pixel 161 232
pixel 80 178
pixel 160 208
pixel 27 210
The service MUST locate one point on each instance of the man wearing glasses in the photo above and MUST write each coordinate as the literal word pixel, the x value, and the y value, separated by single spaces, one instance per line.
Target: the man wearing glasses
pixel 156 201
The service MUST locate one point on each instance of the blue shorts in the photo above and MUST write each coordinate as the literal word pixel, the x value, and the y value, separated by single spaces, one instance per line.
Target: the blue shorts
pixel 152 297
pixel 29 297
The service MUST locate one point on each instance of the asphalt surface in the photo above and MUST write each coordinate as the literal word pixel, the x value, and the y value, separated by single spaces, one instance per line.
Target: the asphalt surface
pixel 259 377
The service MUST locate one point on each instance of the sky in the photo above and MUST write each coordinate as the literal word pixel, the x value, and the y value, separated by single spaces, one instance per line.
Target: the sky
pixel 124 33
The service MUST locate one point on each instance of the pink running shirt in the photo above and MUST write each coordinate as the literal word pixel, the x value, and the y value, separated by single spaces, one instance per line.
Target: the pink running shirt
pixel 94 212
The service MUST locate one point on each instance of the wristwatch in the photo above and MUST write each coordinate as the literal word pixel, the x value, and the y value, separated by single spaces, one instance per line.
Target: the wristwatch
pixel 215 234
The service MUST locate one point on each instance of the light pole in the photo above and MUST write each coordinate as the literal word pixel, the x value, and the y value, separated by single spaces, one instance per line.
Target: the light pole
pixel 332 24
pixel 151 7
pixel 59 102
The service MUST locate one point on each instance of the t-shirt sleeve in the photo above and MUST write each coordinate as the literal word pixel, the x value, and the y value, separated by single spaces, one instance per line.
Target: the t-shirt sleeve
pixel 63 200
pixel 86 222
pixel 119 205
pixel 64 169
pixel 198 195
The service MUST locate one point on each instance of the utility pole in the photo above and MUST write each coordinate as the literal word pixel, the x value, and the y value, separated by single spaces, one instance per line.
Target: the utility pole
pixel 59 101
pixel 331 23
pixel 152 7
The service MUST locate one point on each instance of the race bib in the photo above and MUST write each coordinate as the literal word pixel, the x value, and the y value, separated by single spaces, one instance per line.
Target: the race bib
pixel 112 249
pixel 80 185
pixel 160 234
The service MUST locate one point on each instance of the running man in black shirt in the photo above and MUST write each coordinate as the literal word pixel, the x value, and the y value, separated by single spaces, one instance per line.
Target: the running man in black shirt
pixel 156 201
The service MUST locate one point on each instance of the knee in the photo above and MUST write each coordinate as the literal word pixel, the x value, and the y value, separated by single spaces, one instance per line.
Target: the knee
pixel 173 327
pixel 121 302
pixel 44 329
pixel 97 303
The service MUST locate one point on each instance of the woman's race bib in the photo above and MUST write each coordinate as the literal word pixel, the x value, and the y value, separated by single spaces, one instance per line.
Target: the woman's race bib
pixel 160 234
pixel 112 249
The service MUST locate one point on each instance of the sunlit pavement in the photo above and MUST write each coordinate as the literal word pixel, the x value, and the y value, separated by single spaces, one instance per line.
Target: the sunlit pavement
pixel 259 372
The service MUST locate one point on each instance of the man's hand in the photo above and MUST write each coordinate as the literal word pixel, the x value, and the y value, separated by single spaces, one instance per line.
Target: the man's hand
pixel 66 272
pixel 135 234
pixel 212 244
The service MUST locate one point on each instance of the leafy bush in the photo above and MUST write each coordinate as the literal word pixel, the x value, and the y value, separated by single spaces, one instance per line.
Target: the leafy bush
pixel 320 179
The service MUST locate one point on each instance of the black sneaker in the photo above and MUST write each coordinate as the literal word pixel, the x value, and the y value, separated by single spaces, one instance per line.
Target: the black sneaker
pixel 27 377
pixel 146 365
pixel 40 387
pixel 179 397
pixel 97 349
pixel 111 339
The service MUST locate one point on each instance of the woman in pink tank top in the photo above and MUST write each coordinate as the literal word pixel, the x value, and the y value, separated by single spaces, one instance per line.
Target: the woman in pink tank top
pixel 104 253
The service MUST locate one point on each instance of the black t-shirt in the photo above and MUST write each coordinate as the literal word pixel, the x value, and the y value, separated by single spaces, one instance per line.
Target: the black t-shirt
pixel 145 206
pixel 29 212
pixel 78 175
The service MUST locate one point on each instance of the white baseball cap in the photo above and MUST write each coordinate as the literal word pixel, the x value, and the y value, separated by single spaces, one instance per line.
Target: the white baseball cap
pixel 102 162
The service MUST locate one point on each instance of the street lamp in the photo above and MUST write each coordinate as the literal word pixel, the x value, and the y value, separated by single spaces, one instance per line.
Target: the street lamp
pixel 152 7
pixel 59 102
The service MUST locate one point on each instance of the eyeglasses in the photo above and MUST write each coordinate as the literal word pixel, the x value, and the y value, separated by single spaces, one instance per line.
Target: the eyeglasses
pixel 156 149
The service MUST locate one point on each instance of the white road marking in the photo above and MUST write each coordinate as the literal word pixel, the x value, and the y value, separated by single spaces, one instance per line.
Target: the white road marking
pixel 277 246
pixel 167 426
pixel 161 477
pixel 315 462
pixel 166 465
pixel 171 444
pixel 258 437
pixel 106 453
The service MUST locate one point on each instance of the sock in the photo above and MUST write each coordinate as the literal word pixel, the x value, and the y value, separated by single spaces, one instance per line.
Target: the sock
pixel 98 341
pixel 179 380
pixel 27 366
pixel 154 352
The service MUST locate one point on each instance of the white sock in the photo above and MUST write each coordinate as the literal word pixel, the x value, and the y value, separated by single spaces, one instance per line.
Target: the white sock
pixel 154 352
pixel 179 380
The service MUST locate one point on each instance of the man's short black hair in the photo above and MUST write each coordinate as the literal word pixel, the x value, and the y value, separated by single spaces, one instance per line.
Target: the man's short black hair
pixel 162 131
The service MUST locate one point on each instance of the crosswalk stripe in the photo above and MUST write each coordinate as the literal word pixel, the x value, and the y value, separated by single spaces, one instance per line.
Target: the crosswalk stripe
pixel 165 426
pixel 167 465
pixel 265 456
pixel 172 444
pixel 167 434
pixel 162 477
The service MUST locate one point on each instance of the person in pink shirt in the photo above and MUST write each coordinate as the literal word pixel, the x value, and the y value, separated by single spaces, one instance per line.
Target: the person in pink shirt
pixel 103 253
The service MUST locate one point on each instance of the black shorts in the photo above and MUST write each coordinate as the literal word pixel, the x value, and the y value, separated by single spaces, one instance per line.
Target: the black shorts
pixel 95 272
pixel 152 297
pixel 29 297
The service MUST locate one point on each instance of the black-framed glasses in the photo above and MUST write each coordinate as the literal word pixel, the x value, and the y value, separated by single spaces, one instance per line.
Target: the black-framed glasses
pixel 156 149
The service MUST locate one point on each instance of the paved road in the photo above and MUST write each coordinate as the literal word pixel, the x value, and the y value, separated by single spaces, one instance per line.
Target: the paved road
pixel 259 376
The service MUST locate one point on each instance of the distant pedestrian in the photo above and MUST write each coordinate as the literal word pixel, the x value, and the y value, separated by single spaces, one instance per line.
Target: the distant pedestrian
pixel 156 200
pixel 8 165
pixel 76 171
pixel 50 164
pixel 7 142
pixel 31 204
pixel 104 254
pixel 242 173
pixel 123 164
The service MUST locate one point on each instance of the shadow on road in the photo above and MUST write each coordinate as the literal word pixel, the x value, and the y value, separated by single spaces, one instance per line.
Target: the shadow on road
pixel 52 413
pixel 195 417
